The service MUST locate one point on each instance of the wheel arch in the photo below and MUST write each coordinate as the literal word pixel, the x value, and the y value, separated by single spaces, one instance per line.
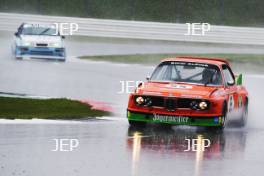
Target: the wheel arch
pixel 224 108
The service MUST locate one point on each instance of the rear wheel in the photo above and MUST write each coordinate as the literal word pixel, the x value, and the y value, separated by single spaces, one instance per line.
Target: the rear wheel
pixel 243 119
pixel 137 124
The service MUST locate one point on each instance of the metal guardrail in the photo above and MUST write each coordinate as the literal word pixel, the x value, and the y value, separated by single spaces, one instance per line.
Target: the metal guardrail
pixel 141 30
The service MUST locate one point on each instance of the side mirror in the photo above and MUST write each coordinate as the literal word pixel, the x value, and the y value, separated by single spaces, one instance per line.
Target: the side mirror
pixel 16 34
pixel 230 83
pixel 63 37
pixel 148 78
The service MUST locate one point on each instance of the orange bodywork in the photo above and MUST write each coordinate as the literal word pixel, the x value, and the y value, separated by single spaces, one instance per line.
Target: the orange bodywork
pixel 223 99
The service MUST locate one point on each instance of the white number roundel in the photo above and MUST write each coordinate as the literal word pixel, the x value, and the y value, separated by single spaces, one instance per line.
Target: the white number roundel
pixel 231 103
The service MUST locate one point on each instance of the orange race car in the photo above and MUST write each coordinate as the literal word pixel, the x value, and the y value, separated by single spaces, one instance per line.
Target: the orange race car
pixel 190 91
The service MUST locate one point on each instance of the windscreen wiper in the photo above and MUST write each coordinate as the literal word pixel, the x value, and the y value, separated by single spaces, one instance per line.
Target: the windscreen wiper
pixel 44 31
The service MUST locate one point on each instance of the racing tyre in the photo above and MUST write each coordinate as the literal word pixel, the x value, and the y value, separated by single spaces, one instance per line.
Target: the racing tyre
pixel 137 124
pixel 61 60
pixel 18 58
pixel 243 120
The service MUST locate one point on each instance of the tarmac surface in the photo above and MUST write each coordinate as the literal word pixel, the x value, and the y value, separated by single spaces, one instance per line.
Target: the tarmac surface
pixel 108 146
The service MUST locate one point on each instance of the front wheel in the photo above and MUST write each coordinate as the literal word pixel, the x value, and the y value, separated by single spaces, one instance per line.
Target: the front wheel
pixel 223 119
pixel 19 58
pixel 61 60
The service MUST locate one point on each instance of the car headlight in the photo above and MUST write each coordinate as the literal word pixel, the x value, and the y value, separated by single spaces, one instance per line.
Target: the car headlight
pixel 148 101
pixel 203 105
pixel 56 45
pixel 26 43
pixel 199 105
pixel 140 100
pixel 194 105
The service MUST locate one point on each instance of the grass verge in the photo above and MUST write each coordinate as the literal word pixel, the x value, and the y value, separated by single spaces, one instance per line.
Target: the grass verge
pixel 153 59
pixel 27 108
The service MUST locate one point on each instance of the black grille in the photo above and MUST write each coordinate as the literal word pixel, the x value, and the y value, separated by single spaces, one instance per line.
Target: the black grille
pixel 42 44
pixel 170 103
pixel 157 101
pixel 184 102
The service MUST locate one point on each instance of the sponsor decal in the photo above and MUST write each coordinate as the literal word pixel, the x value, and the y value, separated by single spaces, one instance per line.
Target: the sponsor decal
pixel 216 120
pixel 151 93
pixel 219 120
pixel 128 113
pixel 37 25
pixel 190 96
pixel 167 118
pixel 177 86
pixel 189 64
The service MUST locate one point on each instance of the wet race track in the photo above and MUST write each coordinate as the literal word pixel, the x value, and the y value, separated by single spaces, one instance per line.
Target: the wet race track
pixel 108 146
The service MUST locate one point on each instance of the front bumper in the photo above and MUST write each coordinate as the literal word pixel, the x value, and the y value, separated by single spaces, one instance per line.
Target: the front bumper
pixel 175 119
pixel 41 52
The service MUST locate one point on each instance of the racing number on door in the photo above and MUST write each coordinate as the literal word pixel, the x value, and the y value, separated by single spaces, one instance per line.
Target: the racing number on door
pixel 240 102
pixel 231 103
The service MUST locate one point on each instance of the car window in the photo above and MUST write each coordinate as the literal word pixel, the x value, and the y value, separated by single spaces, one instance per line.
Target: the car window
pixel 228 74
pixel 38 30
pixel 188 72
pixel 161 72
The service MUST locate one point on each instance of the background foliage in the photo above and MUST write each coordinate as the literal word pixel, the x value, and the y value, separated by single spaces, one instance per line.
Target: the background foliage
pixel 221 12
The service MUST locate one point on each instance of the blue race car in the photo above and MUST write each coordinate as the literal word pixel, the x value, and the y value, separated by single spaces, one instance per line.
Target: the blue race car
pixel 35 40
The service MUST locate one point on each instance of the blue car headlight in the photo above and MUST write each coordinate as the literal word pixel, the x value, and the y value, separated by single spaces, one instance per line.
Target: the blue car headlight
pixel 27 43
pixel 55 45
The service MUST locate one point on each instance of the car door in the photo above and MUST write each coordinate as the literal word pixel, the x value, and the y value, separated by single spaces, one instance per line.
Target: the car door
pixel 230 88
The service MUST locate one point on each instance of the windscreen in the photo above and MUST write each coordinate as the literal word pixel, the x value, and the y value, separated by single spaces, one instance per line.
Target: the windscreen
pixel 188 72
pixel 38 30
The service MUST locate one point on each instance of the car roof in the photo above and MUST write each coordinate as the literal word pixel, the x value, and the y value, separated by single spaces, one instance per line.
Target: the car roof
pixel 207 60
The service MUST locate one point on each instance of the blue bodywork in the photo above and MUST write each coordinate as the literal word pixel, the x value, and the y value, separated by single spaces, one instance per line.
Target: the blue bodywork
pixel 40 52
pixel 36 40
